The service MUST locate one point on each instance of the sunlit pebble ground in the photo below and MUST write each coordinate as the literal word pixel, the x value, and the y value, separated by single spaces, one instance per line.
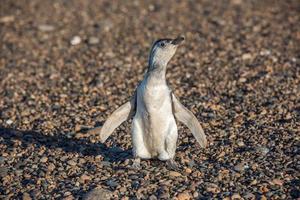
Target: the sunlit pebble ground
pixel 238 71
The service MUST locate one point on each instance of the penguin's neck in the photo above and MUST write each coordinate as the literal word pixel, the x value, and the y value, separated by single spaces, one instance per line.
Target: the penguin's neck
pixel 157 72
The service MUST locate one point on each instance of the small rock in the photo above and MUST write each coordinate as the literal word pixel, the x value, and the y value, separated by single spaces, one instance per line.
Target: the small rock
pixel 249 196
pixel 265 52
pixel 67 193
pixel 122 189
pixel 9 122
pixel 262 197
pixel 221 155
pixel 254 182
pixel 242 80
pixel 70 197
pixel 133 177
pixel 239 167
pixel 112 183
pixel 183 196
pixel 164 195
pixel 2 159
pixel 213 188
pixel 263 189
pixel 236 196
pixel 98 194
pixel 107 25
pixel 106 163
pixel 195 194
pixel 84 178
pixel 93 40
pixel 45 28
pixel 3 171
pixel 174 174
pixel 188 170
pixel 191 163
pixel 44 159
pixel 64 158
pixel 72 163
pixel 75 40
pixel 152 197
pixel 277 182
pixel 26 196
pixel 262 150
pixel 236 2
pixel 246 56
pixel 77 127
pixel 240 143
pixel 7 19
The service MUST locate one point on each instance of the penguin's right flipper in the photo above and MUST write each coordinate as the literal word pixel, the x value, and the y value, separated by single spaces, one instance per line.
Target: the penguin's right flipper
pixel 123 113
pixel 188 118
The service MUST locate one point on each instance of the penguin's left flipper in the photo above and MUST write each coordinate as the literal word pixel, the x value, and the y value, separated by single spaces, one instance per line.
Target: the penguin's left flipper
pixel 123 113
pixel 185 116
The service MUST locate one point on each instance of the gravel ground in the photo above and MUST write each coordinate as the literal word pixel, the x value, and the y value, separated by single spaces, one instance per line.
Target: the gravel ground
pixel 66 65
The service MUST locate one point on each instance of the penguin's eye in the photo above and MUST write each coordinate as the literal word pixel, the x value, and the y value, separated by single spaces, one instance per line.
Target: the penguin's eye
pixel 162 44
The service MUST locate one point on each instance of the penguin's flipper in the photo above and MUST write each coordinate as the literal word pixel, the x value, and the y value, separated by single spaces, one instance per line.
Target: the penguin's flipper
pixel 123 113
pixel 185 116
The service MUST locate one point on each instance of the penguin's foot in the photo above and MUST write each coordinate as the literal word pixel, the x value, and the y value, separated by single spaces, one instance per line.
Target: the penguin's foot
pixel 136 163
pixel 172 165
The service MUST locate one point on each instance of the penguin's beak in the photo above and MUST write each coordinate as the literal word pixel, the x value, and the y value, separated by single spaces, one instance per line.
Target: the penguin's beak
pixel 177 40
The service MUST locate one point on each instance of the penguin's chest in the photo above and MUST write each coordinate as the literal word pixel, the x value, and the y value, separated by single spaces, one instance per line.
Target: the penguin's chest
pixel 157 100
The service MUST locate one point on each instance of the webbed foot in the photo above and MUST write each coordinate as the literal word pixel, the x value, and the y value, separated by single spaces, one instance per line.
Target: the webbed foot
pixel 172 165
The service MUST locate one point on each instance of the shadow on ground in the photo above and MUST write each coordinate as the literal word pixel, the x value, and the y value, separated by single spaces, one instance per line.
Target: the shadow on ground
pixel 82 146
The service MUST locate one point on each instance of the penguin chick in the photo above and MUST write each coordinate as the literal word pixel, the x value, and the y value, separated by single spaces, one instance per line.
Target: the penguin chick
pixel 154 108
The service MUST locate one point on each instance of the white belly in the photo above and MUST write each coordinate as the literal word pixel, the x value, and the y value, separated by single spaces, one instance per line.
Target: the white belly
pixel 154 123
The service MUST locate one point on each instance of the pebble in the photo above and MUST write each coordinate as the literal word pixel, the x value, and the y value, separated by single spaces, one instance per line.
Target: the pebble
pixel 188 170
pixel 122 189
pixel 246 56
pixel 2 160
pixel 70 197
pixel 98 194
pixel 195 194
pixel 9 122
pixel 75 40
pixel 236 196
pixel 112 183
pixel 262 150
pixel 7 19
pixel 93 40
pixel 72 163
pixel 183 196
pixel 263 197
pixel 84 178
pixel 249 196
pixel 263 189
pixel 3 171
pixel 277 182
pixel 44 160
pixel 152 197
pixel 213 188
pixel 46 27
pixel 26 196
pixel 241 143
pixel 239 167
pixel 174 174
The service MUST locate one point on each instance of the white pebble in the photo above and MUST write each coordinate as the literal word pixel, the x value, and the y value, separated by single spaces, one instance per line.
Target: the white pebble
pixel 9 122
pixel 75 40
pixel 46 27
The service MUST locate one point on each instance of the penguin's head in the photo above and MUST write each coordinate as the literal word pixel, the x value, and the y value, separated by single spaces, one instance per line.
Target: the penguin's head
pixel 163 50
